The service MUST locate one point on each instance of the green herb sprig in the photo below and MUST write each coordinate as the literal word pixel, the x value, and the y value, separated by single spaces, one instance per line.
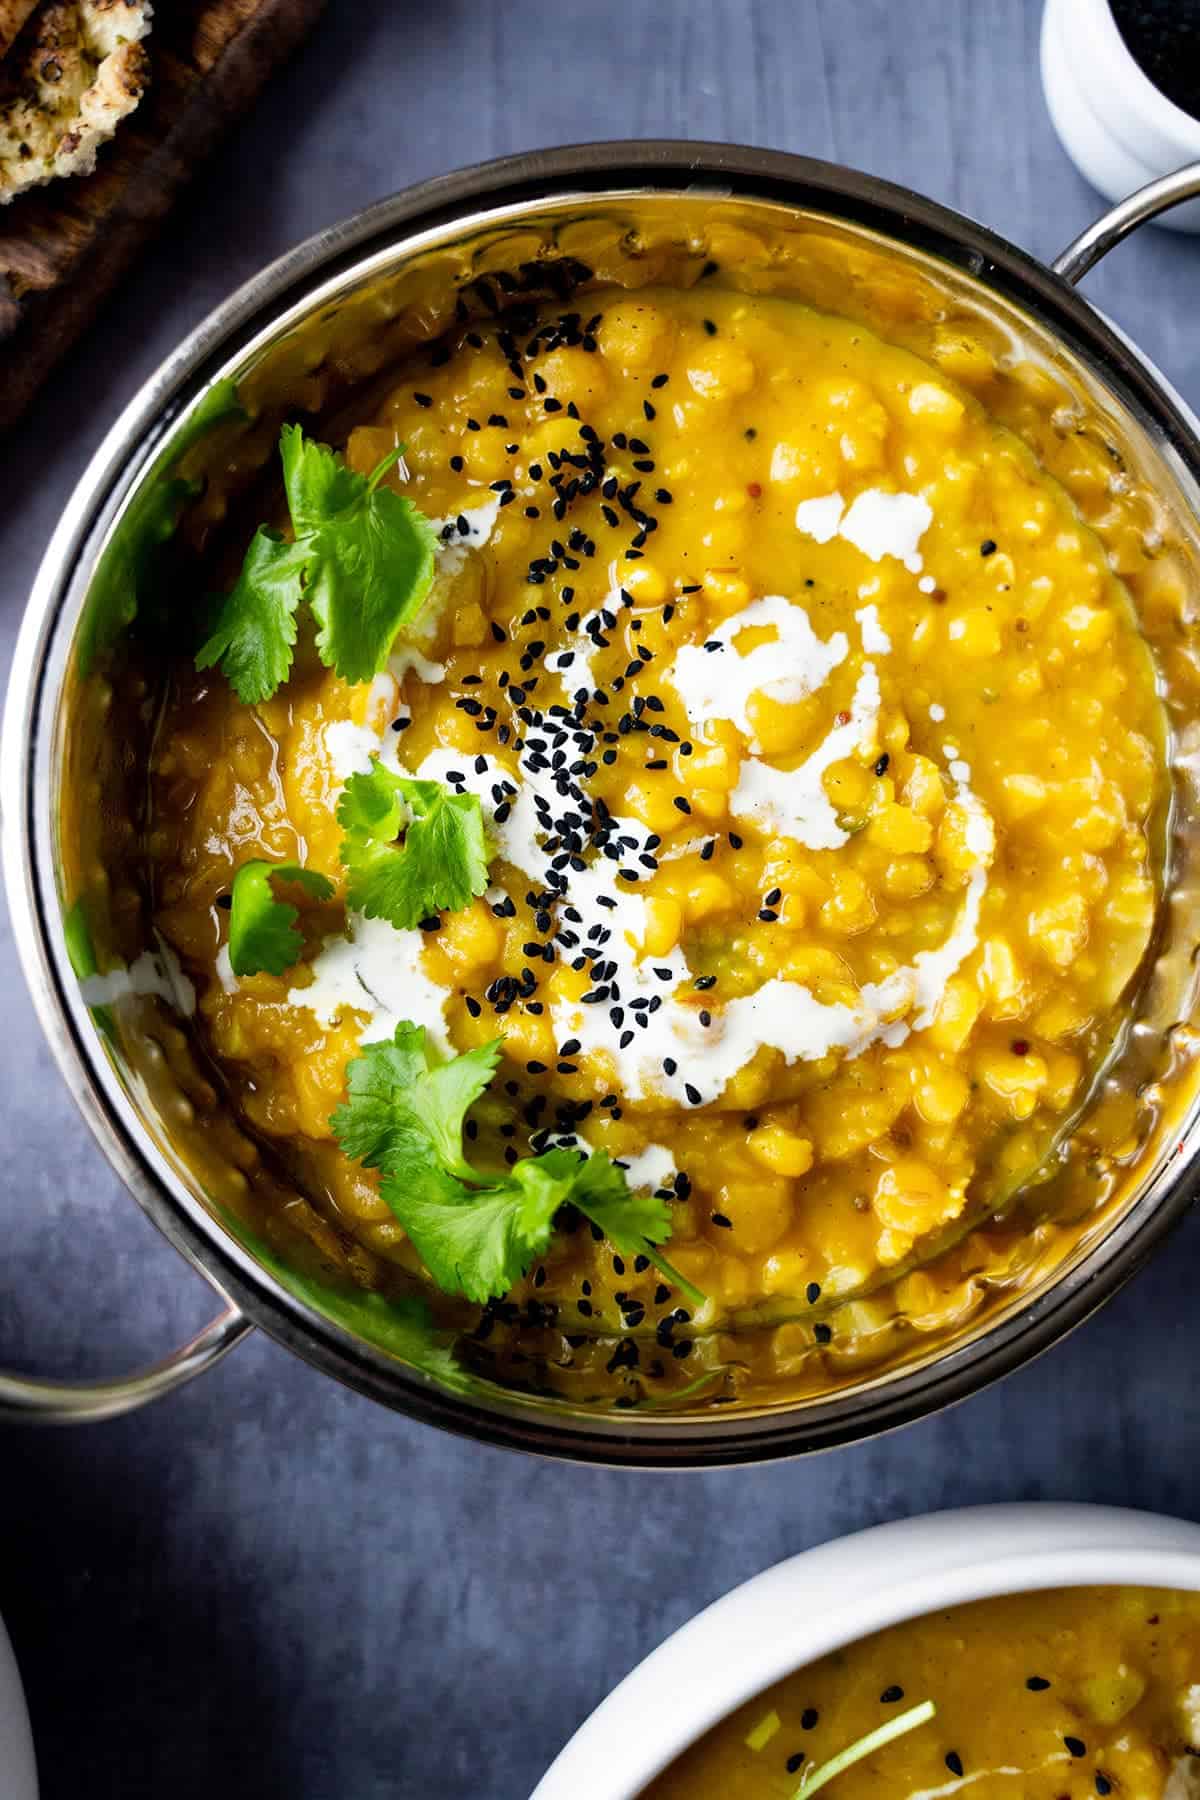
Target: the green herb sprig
pixel 262 929
pixel 361 556
pixel 442 863
pixel 478 1232
pixel 865 1746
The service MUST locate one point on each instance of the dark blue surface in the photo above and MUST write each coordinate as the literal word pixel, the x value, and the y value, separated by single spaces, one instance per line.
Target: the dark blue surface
pixel 265 1586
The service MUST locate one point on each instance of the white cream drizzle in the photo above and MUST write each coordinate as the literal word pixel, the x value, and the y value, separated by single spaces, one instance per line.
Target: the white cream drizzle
pixel 875 640
pixel 877 523
pixel 715 681
pixel 154 972
pixel 379 971
pixel 653 1167
pixel 793 802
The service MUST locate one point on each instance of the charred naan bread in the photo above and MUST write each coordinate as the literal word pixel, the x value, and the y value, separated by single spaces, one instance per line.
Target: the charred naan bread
pixel 80 69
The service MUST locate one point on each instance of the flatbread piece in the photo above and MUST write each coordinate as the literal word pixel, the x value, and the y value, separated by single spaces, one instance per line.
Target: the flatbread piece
pixel 80 68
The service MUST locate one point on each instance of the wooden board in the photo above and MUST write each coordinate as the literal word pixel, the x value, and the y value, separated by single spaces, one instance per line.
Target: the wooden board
pixel 62 247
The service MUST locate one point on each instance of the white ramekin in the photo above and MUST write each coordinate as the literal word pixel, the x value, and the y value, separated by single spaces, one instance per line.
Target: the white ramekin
pixel 828 1597
pixel 1114 124
pixel 18 1775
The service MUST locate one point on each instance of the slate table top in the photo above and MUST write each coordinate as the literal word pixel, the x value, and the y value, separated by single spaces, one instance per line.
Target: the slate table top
pixel 265 1585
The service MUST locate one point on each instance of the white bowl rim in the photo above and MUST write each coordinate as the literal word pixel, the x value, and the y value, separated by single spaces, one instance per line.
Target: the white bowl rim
pixel 1122 75
pixel 828 1597
pixel 18 1770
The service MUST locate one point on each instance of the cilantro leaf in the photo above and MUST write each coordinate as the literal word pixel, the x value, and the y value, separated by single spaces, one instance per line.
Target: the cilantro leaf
pixel 473 1241
pixel 369 565
pixel 477 1232
pixel 362 556
pixel 397 1102
pixel 262 932
pixel 442 863
pixel 255 632
pixel 635 1223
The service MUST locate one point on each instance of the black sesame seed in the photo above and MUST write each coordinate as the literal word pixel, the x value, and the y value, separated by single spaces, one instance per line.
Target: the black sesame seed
pixel 423 399
pixel 890 1695
pixel 988 547
pixel 720 1219
pixel 881 766
pixel 823 1334
pixel 812 1292
pixel 808 1718
pixel 954 1762
pixel 710 327
pixel 693 1093
pixel 1037 1684
pixel 1076 1746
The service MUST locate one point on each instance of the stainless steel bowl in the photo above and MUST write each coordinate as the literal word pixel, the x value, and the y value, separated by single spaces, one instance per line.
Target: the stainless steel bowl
pixel 311 335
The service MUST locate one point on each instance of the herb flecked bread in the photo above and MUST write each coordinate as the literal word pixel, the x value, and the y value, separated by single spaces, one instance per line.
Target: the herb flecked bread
pixel 79 69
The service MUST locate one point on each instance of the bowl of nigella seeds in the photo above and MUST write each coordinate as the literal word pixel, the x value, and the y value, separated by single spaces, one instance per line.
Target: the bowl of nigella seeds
pixel 1122 82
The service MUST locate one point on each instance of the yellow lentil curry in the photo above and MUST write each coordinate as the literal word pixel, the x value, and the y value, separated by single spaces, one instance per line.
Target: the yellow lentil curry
pixel 1047 1696
pixel 819 754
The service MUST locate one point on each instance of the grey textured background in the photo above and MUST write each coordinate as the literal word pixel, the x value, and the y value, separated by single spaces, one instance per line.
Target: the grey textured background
pixel 265 1586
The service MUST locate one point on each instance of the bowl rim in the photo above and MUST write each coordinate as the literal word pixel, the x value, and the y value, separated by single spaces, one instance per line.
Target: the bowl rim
pixel 479 194
pixel 829 1597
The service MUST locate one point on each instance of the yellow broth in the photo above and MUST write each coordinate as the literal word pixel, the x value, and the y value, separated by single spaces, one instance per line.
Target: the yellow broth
pixel 1011 761
pixel 1045 1696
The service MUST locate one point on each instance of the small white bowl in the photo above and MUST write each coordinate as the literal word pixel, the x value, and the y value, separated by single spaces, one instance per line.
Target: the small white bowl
pixel 1118 129
pixel 18 1774
pixel 829 1597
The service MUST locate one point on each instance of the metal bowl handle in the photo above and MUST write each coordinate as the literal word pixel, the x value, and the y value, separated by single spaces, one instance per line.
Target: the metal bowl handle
pixel 28 1398
pixel 1156 197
